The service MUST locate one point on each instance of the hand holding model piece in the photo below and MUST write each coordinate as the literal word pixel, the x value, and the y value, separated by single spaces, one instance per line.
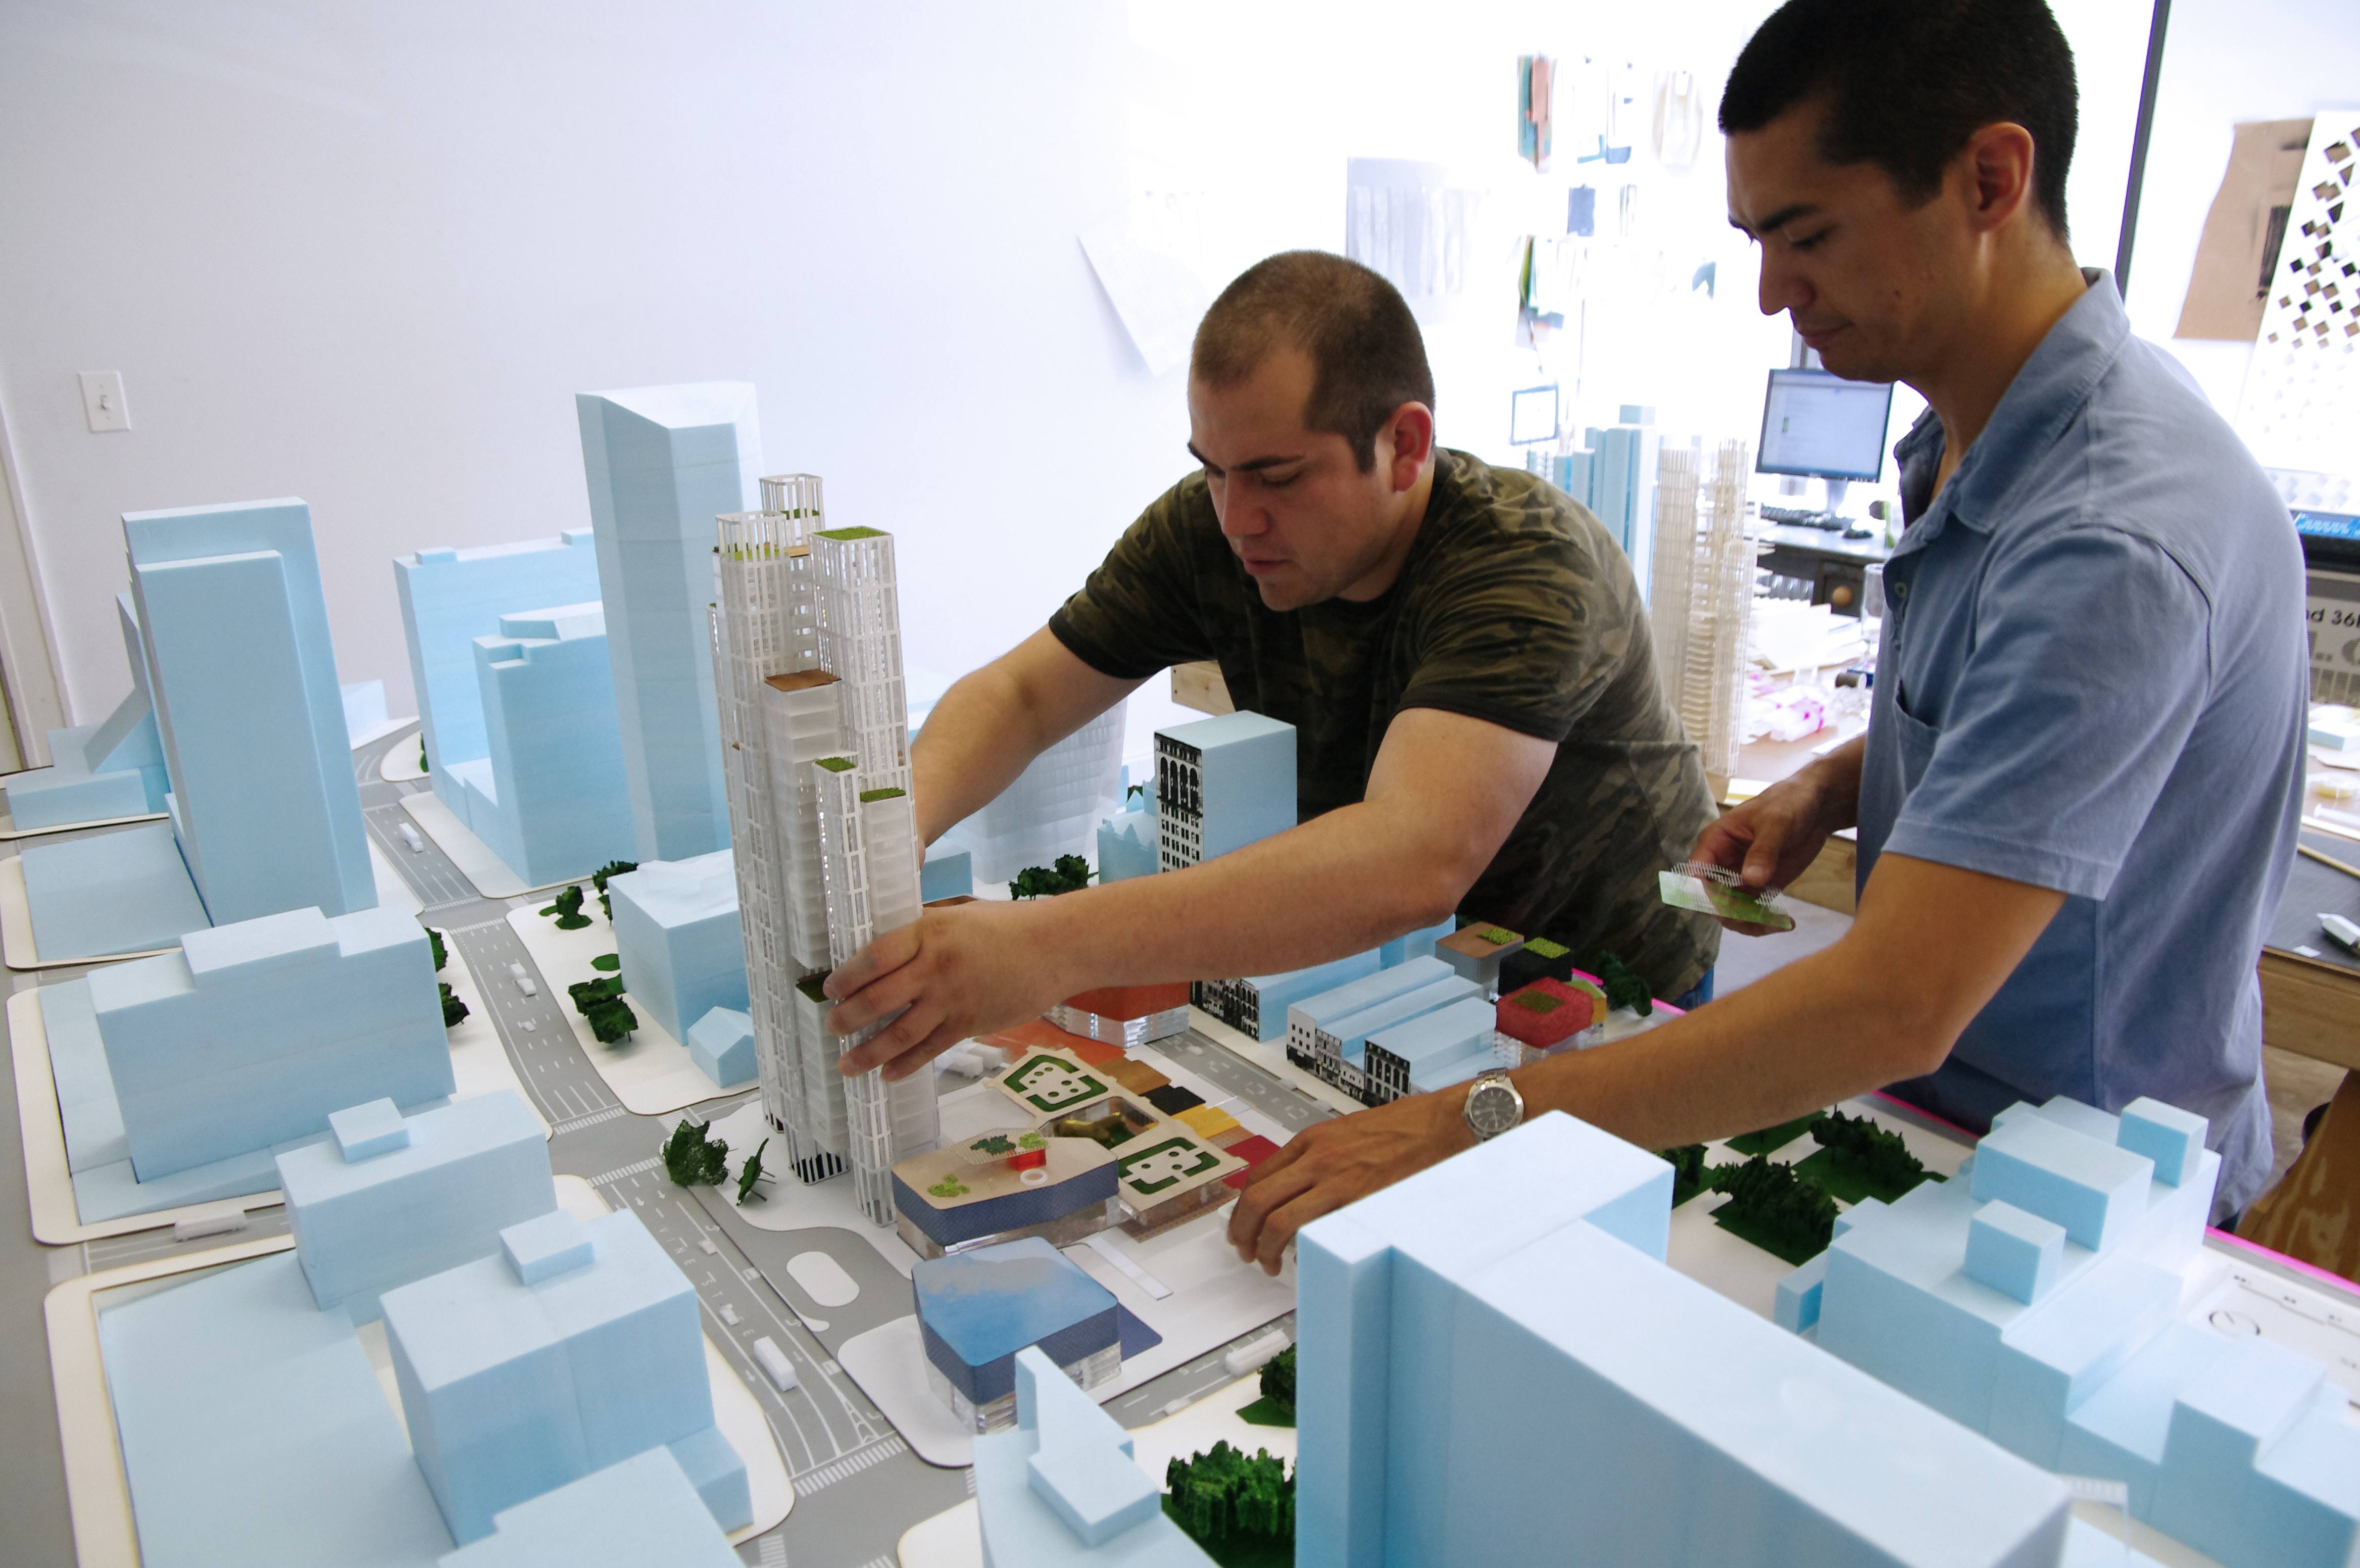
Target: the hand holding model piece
pixel 1773 839
pixel 951 974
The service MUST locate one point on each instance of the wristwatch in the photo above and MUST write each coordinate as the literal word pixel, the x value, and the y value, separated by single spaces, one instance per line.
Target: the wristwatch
pixel 1493 1106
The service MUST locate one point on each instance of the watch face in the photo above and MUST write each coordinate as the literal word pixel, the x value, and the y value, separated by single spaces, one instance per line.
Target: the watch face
pixel 1493 1108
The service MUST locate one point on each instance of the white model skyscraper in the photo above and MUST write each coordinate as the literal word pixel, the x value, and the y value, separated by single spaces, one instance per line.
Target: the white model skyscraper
pixel 1701 595
pixel 816 739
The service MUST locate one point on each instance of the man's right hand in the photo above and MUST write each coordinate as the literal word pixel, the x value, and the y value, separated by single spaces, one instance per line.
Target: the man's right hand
pixel 1773 839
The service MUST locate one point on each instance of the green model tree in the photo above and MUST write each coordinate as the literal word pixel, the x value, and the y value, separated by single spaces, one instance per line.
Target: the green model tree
pixel 1774 1209
pixel 1687 1171
pixel 442 953
pixel 751 1172
pixel 589 994
pixel 1623 988
pixel 421 753
pixel 1240 1509
pixel 1278 1378
pixel 1069 874
pixel 599 878
pixel 611 1021
pixel 1865 1159
pixel 454 1012
pixel 567 907
pixel 690 1158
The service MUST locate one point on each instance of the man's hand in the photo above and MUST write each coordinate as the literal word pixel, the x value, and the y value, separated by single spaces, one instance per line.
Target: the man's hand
pixel 1330 1164
pixel 959 973
pixel 1773 839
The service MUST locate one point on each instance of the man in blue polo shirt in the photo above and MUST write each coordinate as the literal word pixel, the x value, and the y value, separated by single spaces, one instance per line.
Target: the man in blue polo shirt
pixel 2078 794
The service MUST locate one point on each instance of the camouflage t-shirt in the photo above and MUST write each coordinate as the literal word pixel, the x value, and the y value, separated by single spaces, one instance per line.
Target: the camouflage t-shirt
pixel 1515 607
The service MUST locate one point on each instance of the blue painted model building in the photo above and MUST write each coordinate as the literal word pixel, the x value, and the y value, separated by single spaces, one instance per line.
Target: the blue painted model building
pixel 977 1309
pixel 721 1044
pixel 392 1198
pixel 640 1513
pixel 115 767
pixel 2034 1298
pixel 662 463
pixel 252 1033
pixel 677 934
pixel 575 1348
pixel 1256 1006
pixel 1221 784
pixel 548 797
pixel 449 598
pixel 1062 1488
pixel 1496 1367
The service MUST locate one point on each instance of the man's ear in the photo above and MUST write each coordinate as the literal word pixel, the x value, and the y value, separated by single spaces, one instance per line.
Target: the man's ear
pixel 1409 436
pixel 1997 164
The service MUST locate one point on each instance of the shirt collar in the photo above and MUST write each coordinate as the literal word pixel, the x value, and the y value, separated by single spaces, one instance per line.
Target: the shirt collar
pixel 2053 386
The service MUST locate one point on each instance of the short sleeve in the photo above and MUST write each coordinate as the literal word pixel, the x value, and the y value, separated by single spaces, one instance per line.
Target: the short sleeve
pixel 1523 633
pixel 2091 665
pixel 1137 612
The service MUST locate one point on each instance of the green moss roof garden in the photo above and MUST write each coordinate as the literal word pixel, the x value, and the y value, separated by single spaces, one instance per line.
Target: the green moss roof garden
pixel 888 792
pixel 1536 1001
pixel 809 986
pixel 1541 947
pixel 1497 936
pixel 850 534
pixel 837 764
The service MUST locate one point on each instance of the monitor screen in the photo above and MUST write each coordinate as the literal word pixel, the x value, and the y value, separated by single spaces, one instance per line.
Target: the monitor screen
pixel 1817 424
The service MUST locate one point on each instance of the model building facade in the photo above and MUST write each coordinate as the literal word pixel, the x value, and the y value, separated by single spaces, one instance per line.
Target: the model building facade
pixel 1221 784
pixel 807 652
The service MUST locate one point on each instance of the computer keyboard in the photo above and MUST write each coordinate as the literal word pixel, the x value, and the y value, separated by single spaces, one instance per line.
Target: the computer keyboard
pixel 1797 517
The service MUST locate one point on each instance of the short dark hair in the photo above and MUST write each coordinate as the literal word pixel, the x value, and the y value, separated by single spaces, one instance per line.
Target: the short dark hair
pixel 1908 81
pixel 1367 356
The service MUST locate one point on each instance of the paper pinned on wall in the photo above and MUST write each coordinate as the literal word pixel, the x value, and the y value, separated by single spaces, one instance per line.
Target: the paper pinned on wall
pixel 2301 398
pixel 1160 297
pixel 1405 221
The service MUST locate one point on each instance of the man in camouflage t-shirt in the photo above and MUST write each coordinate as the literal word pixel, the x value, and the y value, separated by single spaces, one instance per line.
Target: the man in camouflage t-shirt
pixel 1460 649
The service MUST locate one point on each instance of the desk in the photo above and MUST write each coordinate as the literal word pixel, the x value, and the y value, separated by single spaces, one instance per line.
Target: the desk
pixel 1826 561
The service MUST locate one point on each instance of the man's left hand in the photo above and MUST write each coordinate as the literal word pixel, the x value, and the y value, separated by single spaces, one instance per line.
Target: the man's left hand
pixel 951 974
pixel 1330 1164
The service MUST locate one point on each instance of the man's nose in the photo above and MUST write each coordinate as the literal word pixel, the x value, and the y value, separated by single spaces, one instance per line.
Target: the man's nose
pixel 1781 287
pixel 1242 516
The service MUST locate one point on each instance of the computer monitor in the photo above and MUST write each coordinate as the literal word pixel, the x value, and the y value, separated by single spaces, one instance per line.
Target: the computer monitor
pixel 1815 425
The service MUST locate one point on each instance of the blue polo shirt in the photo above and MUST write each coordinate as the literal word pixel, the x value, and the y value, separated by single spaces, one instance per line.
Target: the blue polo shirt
pixel 2093 678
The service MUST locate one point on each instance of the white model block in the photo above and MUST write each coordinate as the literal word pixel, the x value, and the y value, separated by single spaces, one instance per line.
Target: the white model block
pixel 254 1032
pixel 677 934
pixel 449 598
pixel 361 1226
pixel 363 1132
pixel 2096 1190
pixel 1519 1381
pixel 243 675
pixel 514 1387
pixel 1047 810
pixel 661 462
pixel 640 1513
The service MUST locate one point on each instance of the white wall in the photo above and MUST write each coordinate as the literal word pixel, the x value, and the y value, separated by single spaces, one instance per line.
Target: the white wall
pixel 364 254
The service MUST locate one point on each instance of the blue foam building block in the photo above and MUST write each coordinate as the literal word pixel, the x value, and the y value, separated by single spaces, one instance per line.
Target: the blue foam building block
pixel 677 934
pixel 1273 994
pixel 548 796
pixel 721 1044
pixel 1796 1306
pixel 1320 1011
pixel 2167 1135
pixel 977 1309
pixel 124 892
pixel 946 874
pixel 254 1032
pixel 1061 1490
pixel 470 1169
pixel 1126 845
pixel 363 1132
pixel 364 704
pixel 449 598
pixel 110 769
pixel 2015 1253
pixel 512 1389
pixel 640 1513
pixel 242 672
pixel 2095 1190
pixel 1418 944
pixel 1246 784
pixel 545 1246
pixel 2223 1422
pixel 1353 1030
pixel 1489 1382
pixel 660 463
pixel 1432 1043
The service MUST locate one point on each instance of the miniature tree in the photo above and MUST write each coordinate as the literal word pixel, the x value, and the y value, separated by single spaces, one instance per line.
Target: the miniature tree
pixel 690 1158
pixel 1774 1209
pixel 611 1021
pixel 454 1012
pixel 599 878
pixel 589 994
pixel 1623 988
pixel 606 963
pixel 751 1172
pixel 442 953
pixel 1135 792
pixel 1278 1378
pixel 1070 873
pixel 1862 1158
pixel 567 907
pixel 1688 1172
pixel 1225 1502
pixel 421 753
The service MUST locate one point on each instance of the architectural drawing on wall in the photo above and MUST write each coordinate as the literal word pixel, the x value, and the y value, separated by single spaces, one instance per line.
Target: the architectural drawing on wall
pixel 1405 221
pixel 2301 399
pixel 807 650
pixel 1702 594
pixel 661 462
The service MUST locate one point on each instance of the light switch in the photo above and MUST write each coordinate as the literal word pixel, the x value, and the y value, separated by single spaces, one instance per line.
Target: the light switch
pixel 102 401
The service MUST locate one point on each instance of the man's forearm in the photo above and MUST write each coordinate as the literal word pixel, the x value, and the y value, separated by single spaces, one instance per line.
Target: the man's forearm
pixel 979 738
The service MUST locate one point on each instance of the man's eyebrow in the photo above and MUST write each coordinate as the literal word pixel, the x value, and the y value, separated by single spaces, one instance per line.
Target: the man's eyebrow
pixel 1776 220
pixel 1251 464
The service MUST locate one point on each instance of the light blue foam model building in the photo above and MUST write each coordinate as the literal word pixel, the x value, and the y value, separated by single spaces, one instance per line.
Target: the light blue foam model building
pixel 2034 1298
pixel 393 1198
pixel 1256 1006
pixel 1447 1044
pixel 721 1044
pixel 1497 1366
pixel 1126 845
pixel 677 935
pixel 1064 1489
pixel 661 462
pixel 548 796
pixel 977 1309
pixel 1221 784
pixel 575 1348
pixel 640 1513
pixel 252 1033
pixel 115 767
pixel 946 874
pixel 248 711
pixel 449 598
